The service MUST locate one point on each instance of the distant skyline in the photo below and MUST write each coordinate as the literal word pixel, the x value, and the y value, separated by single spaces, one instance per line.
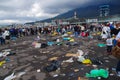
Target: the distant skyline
pixel 22 11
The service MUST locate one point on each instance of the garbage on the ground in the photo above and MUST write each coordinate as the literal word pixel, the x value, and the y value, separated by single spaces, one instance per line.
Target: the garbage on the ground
pixel 99 78
pixel 107 61
pixel 69 33
pixel 71 40
pixel 53 66
pixel 80 52
pixel 1 54
pixel 7 59
pixel 4 54
pixel 62 74
pixel 13 76
pixel 2 62
pixel 98 73
pixel 76 70
pixel 53 58
pixel 65 35
pixel 58 40
pixel 72 35
pixel 50 43
pixel 101 45
pixel 55 75
pixel 11 53
pixel 38 70
pixel 96 61
pixel 6 50
pixel 18 75
pixel 69 60
pixel 10 77
pixel 72 43
pixel 71 55
pixel 66 38
pixel 71 74
pixel 111 74
pixel 43 39
pixel 54 33
pixel 59 43
pixel 39 45
pixel 94 34
pixel 81 68
pixel 36 45
pixel 87 61
pixel 114 69
pixel 43 45
pixel 80 58
pixel 38 38
pixel 95 66
pixel 82 78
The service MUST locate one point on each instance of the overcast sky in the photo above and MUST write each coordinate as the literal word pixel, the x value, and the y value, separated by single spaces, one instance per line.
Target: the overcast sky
pixel 21 11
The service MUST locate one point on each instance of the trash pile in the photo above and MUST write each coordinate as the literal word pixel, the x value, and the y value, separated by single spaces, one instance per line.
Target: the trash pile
pixel 58 57
pixel 13 76
pixel 4 56
pixel 98 73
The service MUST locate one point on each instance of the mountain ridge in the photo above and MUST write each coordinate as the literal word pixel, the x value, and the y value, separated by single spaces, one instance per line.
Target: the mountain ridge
pixel 86 12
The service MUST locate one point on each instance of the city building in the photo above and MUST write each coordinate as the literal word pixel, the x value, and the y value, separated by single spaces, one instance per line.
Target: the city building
pixel 104 10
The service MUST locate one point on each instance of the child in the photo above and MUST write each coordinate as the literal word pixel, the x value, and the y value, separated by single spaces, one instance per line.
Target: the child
pixel 109 43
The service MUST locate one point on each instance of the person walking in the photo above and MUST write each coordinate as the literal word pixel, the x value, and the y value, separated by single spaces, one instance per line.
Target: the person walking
pixel 2 40
pixel 109 43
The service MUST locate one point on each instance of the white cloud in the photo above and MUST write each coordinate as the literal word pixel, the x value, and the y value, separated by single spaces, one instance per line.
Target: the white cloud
pixel 14 21
pixel 9 21
pixel 31 10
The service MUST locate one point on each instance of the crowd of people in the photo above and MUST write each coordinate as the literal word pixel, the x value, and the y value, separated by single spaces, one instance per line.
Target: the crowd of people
pixel 7 34
pixel 106 29
pixel 110 33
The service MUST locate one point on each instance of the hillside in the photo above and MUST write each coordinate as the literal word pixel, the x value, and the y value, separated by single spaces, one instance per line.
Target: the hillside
pixel 87 12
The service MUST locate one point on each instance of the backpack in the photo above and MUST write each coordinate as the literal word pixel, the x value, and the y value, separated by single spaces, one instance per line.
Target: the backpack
pixel 53 66
pixel 44 45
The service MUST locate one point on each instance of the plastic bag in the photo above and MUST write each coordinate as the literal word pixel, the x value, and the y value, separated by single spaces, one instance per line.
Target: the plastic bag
pixel 98 73
pixel 101 45
pixel 53 66
pixel 87 61
pixel 80 59
pixel 80 52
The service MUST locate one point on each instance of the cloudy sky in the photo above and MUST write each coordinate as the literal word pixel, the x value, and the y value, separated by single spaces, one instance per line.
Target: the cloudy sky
pixel 21 11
